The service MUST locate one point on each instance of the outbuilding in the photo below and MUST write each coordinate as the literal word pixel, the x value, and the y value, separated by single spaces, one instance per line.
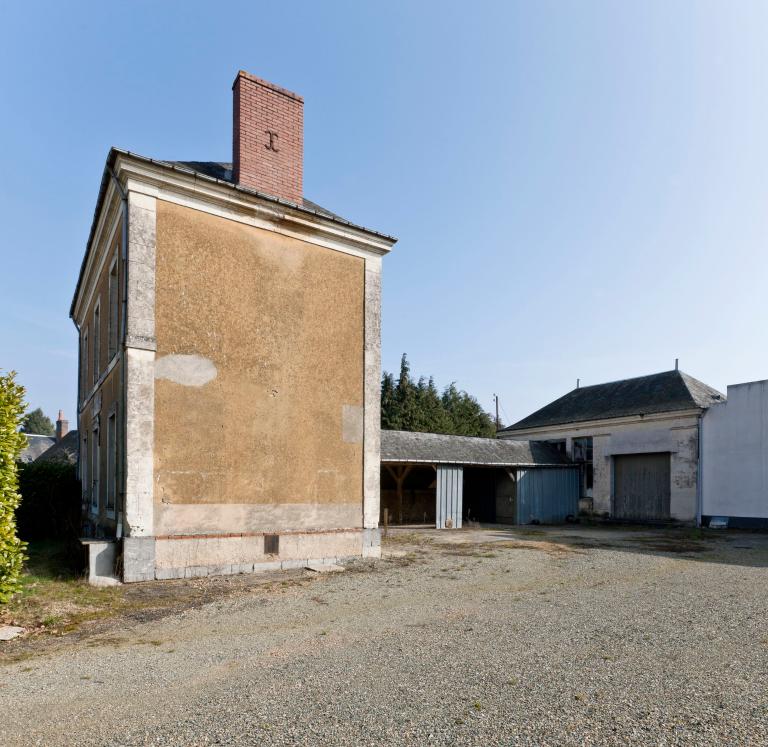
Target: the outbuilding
pixel 431 478
pixel 636 440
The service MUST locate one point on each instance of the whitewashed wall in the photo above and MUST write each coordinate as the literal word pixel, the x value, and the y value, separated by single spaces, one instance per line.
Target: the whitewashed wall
pixel 676 433
pixel 735 454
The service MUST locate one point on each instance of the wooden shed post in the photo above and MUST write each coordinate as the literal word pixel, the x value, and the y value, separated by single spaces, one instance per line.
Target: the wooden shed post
pixel 399 473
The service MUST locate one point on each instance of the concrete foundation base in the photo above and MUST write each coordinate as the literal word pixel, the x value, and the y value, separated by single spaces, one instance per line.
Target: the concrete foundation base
pixel 101 562
pixel 200 571
pixel 138 559
pixel 193 556
pixel 372 543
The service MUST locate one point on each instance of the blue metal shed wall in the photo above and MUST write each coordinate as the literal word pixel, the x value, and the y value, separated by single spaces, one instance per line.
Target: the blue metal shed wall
pixel 450 491
pixel 547 495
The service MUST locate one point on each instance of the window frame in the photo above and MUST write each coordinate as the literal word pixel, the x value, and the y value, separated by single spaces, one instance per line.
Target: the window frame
pixel 114 308
pixel 111 497
pixel 95 469
pixel 85 455
pixel 84 360
pixel 96 347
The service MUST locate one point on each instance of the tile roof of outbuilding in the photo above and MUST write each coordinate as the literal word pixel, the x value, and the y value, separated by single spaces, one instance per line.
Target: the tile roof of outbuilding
pixel 437 448
pixel 669 391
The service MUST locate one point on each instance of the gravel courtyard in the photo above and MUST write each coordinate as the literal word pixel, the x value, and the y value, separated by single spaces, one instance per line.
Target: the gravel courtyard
pixel 558 636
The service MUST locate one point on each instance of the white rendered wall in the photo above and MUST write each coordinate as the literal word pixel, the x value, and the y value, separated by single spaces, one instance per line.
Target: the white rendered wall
pixel 735 453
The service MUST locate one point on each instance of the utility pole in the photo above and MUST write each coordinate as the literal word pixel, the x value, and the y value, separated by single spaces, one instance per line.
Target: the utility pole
pixel 498 422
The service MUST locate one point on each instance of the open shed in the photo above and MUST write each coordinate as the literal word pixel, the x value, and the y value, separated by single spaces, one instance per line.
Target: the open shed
pixel 446 480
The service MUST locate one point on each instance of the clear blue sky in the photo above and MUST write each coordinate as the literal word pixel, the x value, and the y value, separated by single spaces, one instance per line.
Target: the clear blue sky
pixel 580 188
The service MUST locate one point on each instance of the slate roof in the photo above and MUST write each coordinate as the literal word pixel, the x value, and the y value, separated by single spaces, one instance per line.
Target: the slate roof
pixel 669 391
pixel 36 446
pixel 65 450
pixel 436 448
pixel 222 171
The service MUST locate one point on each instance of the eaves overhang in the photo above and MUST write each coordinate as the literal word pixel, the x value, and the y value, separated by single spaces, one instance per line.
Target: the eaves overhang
pixel 470 463
pixel 640 417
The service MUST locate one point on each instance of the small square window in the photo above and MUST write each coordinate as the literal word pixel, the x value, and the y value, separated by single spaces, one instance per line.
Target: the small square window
pixel 271 544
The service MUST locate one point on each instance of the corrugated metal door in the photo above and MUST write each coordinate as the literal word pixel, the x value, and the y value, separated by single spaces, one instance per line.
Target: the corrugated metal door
pixel 450 491
pixel 641 486
pixel 547 495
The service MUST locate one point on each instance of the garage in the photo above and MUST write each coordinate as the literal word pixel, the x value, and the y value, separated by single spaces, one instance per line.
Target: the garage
pixel 446 481
pixel 642 487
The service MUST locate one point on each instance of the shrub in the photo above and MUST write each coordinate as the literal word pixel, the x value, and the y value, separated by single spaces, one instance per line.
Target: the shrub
pixel 12 557
pixel 50 501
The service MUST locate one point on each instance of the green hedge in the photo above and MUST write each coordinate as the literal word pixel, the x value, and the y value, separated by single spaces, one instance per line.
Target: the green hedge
pixel 12 549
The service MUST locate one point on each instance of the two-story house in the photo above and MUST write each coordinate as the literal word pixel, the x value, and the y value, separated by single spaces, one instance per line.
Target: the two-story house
pixel 229 359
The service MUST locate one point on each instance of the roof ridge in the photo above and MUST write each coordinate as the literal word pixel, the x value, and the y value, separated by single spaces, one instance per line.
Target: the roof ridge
pixel 630 378
pixel 432 433
pixel 662 392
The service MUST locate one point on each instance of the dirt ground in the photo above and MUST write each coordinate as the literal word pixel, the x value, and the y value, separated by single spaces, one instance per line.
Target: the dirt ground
pixel 557 636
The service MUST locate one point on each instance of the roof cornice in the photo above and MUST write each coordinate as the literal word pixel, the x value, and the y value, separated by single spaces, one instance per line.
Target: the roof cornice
pixel 175 178
pixel 198 191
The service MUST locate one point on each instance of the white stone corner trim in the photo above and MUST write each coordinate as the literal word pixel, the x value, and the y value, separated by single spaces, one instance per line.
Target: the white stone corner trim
pixel 372 394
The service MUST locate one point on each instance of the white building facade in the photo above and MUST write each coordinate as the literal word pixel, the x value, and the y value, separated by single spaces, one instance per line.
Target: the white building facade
pixel 735 457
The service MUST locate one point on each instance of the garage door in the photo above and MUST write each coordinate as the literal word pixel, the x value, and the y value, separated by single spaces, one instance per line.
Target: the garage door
pixel 641 486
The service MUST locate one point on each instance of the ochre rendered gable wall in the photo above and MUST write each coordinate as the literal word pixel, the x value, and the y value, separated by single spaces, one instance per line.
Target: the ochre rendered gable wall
pixel 259 380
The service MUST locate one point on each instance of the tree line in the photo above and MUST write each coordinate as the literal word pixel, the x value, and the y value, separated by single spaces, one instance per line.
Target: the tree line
pixel 408 405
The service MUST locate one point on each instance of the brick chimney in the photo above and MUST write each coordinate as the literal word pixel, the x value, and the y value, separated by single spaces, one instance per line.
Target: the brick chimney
pixel 267 138
pixel 62 426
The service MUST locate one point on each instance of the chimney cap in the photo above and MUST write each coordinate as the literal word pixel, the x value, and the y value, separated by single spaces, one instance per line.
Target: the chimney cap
pixel 267 84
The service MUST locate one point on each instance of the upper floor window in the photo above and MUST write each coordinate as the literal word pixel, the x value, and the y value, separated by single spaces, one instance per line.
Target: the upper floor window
pixel 113 307
pixel 96 331
pixel 83 363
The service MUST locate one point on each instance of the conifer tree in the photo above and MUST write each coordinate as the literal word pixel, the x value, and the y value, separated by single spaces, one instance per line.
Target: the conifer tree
pixel 420 407
pixel 36 421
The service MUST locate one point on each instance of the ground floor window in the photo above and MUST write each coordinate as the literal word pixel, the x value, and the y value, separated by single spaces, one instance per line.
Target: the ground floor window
pixel 84 456
pixel 111 464
pixel 94 471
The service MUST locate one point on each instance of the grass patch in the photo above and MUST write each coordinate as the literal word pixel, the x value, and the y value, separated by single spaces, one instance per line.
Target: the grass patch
pixel 54 597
